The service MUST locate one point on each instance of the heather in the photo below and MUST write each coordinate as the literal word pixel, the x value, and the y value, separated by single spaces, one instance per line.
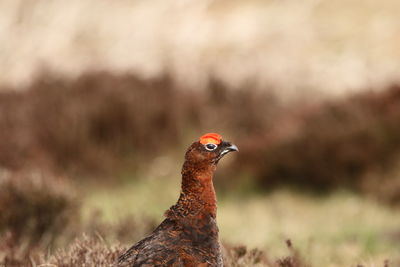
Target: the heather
pixel 99 100
pixel 89 167
pixel 99 124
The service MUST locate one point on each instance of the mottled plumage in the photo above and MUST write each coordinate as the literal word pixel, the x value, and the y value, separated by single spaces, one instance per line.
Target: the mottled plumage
pixel 189 234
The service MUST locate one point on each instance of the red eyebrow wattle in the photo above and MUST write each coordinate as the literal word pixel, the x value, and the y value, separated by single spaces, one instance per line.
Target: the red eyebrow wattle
pixel 212 138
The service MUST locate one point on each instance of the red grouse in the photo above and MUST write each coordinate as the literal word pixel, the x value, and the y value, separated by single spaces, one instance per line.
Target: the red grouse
pixel 189 234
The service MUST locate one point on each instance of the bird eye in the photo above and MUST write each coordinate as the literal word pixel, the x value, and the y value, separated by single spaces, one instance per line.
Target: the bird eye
pixel 210 147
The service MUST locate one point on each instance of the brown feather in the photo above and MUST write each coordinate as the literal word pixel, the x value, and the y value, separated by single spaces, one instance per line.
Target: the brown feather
pixel 189 234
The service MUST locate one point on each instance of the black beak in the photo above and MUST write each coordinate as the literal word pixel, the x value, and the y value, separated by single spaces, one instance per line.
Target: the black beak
pixel 230 148
pixel 226 148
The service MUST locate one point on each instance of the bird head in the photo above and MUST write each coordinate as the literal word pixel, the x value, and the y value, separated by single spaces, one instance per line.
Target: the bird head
pixel 209 149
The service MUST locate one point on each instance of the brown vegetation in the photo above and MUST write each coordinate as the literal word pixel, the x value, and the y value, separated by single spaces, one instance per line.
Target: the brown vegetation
pixel 39 213
pixel 35 210
pixel 352 143
pixel 82 124
pixel 56 131
pixel 101 121
pixel 94 251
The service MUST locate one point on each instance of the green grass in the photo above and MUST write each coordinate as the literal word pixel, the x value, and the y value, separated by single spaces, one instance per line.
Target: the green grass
pixel 341 229
pixel 338 230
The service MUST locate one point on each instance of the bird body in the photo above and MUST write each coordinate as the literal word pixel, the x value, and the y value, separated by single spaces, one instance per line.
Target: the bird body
pixel 189 234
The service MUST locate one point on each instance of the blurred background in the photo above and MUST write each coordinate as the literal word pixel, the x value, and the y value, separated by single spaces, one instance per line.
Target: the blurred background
pixel 100 99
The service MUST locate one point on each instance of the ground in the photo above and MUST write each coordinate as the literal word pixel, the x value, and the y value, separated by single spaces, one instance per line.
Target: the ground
pixel 339 229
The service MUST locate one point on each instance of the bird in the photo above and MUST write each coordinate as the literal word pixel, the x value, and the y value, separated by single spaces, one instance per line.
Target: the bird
pixel 188 236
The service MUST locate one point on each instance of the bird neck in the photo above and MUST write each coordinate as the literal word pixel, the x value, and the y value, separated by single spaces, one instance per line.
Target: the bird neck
pixel 197 193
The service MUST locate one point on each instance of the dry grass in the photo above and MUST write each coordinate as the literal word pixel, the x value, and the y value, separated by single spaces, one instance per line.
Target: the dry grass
pixel 97 88
pixel 35 209
pixel 297 47
pixel 336 230
pixel 94 251
pixel 36 215
pixel 85 251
